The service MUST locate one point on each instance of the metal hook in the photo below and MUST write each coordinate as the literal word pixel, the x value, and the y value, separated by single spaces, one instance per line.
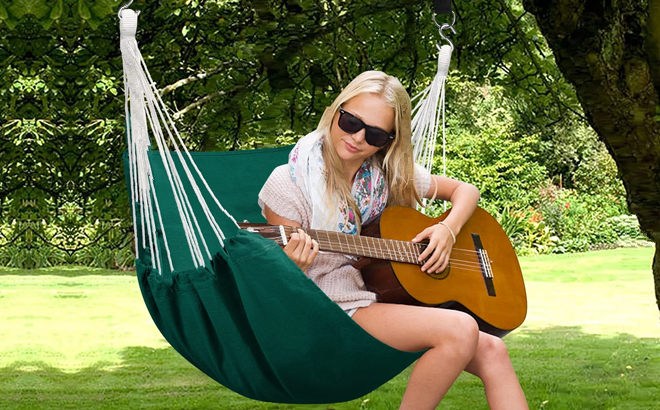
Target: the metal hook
pixel 443 27
pixel 446 26
pixel 128 4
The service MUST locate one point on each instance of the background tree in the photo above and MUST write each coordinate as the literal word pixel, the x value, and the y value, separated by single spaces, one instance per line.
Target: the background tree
pixel 610 52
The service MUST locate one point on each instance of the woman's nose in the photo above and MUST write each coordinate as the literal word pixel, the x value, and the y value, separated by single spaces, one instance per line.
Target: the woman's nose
pixel 360 135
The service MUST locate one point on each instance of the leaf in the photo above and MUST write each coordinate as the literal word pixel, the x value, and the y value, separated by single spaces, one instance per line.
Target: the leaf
pixel 83 10
pixel 4 15
pixel 56 11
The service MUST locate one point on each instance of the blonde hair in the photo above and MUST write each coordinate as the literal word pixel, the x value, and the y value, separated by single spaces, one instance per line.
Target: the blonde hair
pixel 395 159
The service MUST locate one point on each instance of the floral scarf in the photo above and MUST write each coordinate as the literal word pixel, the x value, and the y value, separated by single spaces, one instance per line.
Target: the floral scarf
pixel 307 171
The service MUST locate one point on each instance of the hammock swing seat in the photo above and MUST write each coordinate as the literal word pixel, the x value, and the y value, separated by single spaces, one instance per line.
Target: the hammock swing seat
pixel 231 302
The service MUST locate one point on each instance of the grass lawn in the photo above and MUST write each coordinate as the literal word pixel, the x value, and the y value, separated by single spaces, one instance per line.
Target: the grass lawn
pixel 69 340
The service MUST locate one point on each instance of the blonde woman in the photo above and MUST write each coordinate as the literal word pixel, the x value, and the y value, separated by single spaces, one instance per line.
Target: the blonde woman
pixel 343 175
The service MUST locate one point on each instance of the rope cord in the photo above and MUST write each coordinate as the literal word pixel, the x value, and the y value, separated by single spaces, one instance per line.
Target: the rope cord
pixel 140 87
pixel 426 117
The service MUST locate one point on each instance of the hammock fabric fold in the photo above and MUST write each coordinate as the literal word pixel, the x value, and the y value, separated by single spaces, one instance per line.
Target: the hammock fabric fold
pixel 251 319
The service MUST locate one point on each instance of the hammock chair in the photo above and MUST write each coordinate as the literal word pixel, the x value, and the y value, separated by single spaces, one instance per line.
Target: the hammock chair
pixel 229 301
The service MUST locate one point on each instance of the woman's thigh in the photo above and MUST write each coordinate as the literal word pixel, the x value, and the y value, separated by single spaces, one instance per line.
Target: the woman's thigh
pixel 413 328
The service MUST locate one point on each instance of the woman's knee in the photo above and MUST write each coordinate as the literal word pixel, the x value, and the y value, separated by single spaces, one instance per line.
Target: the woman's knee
pixel 463 335
pixel 489 358
pixel 491 361
pixel 493 347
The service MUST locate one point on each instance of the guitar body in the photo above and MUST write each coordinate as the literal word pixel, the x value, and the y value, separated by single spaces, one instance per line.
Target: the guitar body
pixel 483 278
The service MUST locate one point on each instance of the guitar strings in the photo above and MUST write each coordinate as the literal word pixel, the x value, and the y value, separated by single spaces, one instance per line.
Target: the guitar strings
pixel 402 255
pixel 408 257
pixel 405 243
pixel 420 246
pixel 457 263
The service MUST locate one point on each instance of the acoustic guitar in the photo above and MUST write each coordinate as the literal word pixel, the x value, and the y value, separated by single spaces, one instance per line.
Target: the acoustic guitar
pixel 483 277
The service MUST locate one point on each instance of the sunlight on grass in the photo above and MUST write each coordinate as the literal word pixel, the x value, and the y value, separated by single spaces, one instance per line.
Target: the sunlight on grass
pixel 71 323
pixel 73 340
pixel 603 292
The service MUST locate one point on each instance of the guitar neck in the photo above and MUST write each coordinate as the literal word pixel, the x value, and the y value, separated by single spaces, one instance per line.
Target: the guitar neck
pixel 358 245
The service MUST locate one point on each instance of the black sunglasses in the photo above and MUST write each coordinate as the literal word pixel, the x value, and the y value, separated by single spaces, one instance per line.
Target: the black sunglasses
pixel 373 135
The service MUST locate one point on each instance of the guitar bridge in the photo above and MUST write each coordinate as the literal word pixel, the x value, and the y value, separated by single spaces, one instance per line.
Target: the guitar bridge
pixel 484 264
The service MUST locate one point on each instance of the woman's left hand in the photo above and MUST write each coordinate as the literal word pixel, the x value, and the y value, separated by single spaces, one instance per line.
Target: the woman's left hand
pixel 439 247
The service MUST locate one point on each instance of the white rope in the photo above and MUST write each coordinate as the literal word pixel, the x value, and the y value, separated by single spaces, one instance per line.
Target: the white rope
pixel 194 185
pixel 139 86
pixel 177 188
pixel 140 179
pixel 425 118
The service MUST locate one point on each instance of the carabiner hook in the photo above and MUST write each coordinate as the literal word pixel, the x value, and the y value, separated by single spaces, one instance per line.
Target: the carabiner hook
pixel 446 26
pixel 123 7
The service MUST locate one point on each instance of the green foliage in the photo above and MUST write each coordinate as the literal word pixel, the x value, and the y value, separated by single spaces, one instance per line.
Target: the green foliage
pixel 485 148
pixel 578 219
pixel 518 174
pixel 538 238
pixel 245 75
pixel 30 245
pixel 626 227
pixel 513 223
pixel 576 158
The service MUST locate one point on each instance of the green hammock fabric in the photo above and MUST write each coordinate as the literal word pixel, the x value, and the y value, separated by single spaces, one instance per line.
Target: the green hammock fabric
pixel 251 319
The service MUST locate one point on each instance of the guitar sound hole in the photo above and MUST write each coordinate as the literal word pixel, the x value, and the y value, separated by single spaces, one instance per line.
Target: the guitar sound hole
pixel 440 275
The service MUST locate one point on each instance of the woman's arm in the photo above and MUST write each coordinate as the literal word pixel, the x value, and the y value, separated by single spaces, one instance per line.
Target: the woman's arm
pixel 464 198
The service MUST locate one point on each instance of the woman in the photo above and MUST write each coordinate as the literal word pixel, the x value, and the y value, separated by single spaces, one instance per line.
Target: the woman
pixel 341 176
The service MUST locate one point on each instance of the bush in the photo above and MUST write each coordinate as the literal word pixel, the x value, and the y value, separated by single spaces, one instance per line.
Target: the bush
pixel 626 227
pixel 485 149
pixel 580 220
pixel 551 192
pixel 32 245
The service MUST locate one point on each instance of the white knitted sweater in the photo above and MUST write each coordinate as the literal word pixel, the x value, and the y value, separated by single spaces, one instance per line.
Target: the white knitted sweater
pixel 332 272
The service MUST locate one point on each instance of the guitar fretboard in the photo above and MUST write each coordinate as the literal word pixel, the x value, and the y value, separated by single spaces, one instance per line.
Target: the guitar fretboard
pixel 377 248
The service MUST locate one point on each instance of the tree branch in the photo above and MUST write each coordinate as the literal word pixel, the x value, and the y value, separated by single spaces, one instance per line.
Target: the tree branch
pixel 200 76
pixel 523 41
pixel 202 101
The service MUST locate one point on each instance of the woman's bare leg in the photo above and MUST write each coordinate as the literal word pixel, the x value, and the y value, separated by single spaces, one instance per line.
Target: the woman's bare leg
pixel 450 336
pixel 491 363
pixel 455 344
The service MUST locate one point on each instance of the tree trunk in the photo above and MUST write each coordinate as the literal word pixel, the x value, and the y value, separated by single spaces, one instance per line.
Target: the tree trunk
pixel 610 52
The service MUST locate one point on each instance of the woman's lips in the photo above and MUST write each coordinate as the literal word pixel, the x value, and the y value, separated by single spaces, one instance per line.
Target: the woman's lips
pixel 350 147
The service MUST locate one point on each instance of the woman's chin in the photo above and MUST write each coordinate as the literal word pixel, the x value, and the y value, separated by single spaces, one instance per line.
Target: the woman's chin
pixel 346 155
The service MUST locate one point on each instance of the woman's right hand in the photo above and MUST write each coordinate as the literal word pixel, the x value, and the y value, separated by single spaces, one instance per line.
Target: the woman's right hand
pixel 302 249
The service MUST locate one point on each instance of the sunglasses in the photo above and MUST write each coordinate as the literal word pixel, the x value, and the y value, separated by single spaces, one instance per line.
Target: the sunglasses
pixel 373 135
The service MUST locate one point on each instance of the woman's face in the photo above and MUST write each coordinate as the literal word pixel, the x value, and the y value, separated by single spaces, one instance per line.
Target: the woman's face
pixel 353 149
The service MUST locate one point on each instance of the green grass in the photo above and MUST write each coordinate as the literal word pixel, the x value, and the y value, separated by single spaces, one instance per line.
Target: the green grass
pixel 591 340
pixel 601 292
